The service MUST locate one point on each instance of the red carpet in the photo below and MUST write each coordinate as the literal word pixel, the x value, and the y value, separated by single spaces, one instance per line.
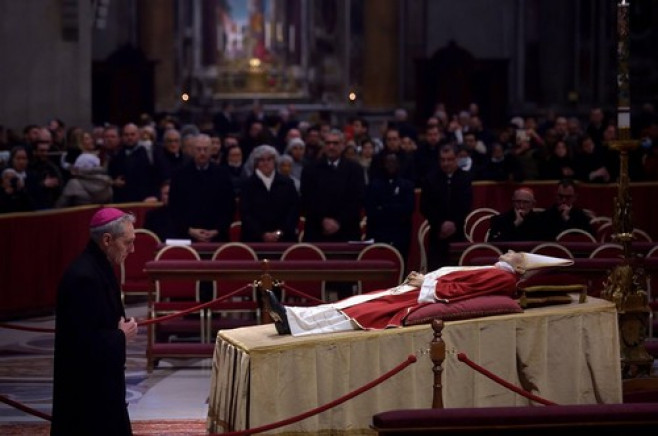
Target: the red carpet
pixel 183 427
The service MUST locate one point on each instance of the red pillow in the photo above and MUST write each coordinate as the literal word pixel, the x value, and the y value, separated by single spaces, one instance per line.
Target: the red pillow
pixel 476 307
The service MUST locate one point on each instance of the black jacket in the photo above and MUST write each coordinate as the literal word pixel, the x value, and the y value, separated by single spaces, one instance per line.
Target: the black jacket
pixel 553 224
pixel 337 193
pixel 202 199
pixel 503 228
pixel 89 393
pixel 267 211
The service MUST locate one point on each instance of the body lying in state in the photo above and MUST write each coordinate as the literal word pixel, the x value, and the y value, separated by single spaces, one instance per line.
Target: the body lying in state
pixel 389 307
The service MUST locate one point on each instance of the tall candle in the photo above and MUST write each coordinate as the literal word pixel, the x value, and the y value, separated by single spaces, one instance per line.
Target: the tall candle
pixel 623 91
pixel 291 39
pixel 279 32
pixel 268 35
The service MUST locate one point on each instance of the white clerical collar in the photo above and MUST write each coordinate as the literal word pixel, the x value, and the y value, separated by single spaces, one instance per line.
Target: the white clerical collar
pixel 266 180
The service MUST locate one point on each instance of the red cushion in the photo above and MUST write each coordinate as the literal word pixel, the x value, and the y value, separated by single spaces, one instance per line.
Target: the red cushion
pixel 550 277
pixel 486 305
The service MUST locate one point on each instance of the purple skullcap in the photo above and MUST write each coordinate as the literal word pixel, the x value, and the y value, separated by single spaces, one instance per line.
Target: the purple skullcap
pixel 105 215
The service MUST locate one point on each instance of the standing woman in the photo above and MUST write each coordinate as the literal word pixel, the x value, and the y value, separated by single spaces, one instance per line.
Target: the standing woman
pixel 269 203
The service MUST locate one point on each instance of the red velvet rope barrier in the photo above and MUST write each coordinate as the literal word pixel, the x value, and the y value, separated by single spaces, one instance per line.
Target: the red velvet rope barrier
pixel 141 323
pixel 410 359
pixel 192 309
pixel 24 408
pixel 26 328
pixel 302 294
pixel 463 358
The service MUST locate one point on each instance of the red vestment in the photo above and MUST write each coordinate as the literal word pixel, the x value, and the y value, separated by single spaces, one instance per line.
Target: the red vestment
pixel 390 310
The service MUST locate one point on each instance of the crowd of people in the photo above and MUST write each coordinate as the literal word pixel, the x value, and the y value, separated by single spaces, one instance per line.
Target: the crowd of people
pixel 272 169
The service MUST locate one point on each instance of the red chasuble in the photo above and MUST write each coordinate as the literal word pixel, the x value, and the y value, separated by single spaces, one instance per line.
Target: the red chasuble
pixel 390 310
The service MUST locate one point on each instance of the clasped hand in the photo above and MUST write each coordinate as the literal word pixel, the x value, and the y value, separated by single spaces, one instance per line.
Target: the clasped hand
pixel 129 328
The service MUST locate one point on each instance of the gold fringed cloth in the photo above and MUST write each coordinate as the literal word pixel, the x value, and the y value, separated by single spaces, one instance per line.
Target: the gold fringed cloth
pixel 568 354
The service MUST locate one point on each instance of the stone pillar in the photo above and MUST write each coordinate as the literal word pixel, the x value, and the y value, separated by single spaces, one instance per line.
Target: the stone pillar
pixel 156 30
pixel 381 54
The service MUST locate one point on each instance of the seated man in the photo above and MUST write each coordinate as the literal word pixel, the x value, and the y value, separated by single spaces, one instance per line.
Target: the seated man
pixel 520 223
pixel 564 213
pixel 388 308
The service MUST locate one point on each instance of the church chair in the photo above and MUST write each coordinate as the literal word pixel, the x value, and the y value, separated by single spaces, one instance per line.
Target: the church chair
pixel 598 221
pixel 479 250
pixel 475 215
pixel 641 235
pixel 605 231
pixel 381 251
pixel 174 296
pixel 575 235
pixel 314 288
pixel 363 226
pixel 480 229
pixel 553 249
pixel 300 228
pixel 423 244
pixel 607 250
pixel 241 309
pixel 134 281
pixel 235 231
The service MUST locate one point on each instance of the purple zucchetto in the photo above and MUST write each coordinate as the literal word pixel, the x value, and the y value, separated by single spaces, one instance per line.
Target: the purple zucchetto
pixel 105 215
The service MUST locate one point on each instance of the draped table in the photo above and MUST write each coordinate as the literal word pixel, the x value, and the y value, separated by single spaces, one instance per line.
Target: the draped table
pixel 568 354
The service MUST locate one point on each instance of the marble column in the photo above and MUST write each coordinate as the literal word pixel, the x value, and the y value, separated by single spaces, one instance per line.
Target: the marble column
pixel 156 31
pixel 381 54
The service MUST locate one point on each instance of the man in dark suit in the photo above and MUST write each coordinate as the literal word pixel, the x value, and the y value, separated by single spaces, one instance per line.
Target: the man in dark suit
pixel 91 332
pixel 159 220
pixel 446 198
pixel 521 222
pixel 389 206
pixel 332 192
pixel 564 213
pixel 201 197
pixel 134 177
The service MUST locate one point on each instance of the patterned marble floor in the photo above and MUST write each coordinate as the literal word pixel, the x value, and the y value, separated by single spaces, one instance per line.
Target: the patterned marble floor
pixel 176 389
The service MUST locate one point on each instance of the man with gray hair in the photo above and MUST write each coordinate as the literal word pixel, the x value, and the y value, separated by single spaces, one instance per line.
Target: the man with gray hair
pixel 201 197
pixel 332 191
pixel 91 332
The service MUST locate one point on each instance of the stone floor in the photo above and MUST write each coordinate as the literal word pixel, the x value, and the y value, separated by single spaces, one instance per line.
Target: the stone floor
pixel 176 389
